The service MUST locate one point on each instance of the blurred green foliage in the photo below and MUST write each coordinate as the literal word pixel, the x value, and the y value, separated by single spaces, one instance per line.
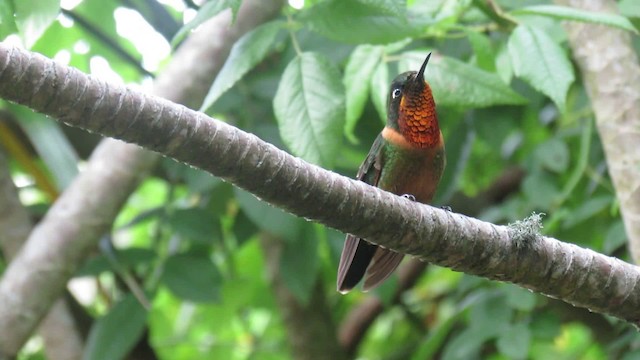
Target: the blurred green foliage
pixel 314 83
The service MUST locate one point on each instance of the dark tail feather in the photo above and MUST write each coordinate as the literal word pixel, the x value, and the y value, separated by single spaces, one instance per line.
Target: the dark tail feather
pixel 383 263
pixel 355 258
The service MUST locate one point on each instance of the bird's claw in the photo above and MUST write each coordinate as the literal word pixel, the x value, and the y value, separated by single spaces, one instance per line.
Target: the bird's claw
pixel 409 197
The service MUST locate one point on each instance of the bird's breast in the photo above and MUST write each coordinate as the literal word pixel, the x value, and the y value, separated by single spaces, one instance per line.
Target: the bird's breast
pixel 410 171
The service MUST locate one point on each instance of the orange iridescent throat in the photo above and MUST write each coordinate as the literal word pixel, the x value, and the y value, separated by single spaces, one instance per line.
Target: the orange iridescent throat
pixel 417 119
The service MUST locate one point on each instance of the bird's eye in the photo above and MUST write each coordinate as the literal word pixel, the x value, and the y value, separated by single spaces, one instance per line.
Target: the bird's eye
pixel 396 93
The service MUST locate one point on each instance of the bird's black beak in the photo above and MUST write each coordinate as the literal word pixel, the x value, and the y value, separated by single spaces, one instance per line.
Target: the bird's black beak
pixel 420 76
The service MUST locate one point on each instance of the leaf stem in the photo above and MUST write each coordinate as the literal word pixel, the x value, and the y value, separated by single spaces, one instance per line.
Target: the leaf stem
pixel 581 167
pixel 294 40
pixel 494 12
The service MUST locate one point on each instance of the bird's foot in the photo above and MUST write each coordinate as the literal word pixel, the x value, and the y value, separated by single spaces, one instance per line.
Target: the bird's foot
pixel 409 197
pixel 446 208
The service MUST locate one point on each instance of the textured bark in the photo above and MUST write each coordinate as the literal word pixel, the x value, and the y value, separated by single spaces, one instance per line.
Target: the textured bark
pixel 15 226
pixel 15 223
pixel 36 277
pixel 517 254
pixel 310 327
pixel 611 74
pixel 62 338
pixel 88 207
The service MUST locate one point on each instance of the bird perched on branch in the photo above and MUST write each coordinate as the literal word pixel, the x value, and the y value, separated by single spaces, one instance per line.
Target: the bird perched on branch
pixel 407 158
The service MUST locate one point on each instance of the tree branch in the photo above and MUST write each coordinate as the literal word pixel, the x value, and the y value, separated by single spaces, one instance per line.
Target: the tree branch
pixel 515 254
pixel 15 223
pixel 86 209
pixel 612 80
pixel 15 226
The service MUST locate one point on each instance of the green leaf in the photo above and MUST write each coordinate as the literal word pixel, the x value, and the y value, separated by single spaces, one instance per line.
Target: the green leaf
pixel 246 53
pixel 357 74
pixel 435 338
pixel 455 83
pixel 269 218
pixel 309 107
pixel 616 237
pixel 553 155
pixel 393 7
pixel 33 17
pixel 199 181
pixel 195 224
pixel 130 257
pixel 514 342
pixel 503 64
pixel 299 266
pixel 540 190
pixel 541 62
pixel 569 13
pixel 545 326
pixel 464 345
pixel 492 315
pixel 357 23
pixel 380 83
pixel 206 12
pixel 51 144
pixel 7 19
pixel 587 210
pixel 481 44
pixel 243 227
pixel 629 8
pixel 115 334
pixel 519 298
pixel 192 277
pixel 459 141
pixel 394 47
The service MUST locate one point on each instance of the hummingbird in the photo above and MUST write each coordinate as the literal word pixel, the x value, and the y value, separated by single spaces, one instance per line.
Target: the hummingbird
pixel 408 159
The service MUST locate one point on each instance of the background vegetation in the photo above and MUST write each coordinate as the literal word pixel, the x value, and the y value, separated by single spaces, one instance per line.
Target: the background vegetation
pixel 226 276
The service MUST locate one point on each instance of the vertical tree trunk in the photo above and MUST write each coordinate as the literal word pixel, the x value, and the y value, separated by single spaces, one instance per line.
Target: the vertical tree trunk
pixel 611 73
